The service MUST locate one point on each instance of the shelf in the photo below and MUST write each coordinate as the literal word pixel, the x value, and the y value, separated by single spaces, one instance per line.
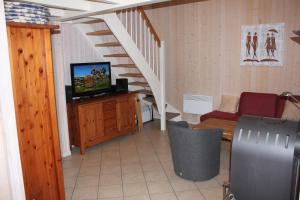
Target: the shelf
pixel 29 25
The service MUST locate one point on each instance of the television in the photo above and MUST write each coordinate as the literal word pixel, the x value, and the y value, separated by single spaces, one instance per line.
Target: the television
pixel 90 79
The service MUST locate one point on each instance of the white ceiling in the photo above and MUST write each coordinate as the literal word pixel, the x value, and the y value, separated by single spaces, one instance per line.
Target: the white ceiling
pixel 67 10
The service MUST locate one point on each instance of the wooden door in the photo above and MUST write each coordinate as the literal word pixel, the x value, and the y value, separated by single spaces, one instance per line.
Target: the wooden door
pixel 32 75
pixel 91 122
pixel 125 113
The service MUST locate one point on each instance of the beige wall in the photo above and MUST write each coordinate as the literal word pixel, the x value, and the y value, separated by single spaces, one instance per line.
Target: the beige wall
pixel 203 47
pixel 4 181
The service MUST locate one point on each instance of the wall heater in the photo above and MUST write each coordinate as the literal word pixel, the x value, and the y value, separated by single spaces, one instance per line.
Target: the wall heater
pixel 197 104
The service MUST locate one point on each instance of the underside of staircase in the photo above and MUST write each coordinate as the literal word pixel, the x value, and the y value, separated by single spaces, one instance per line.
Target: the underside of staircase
pixel 135 53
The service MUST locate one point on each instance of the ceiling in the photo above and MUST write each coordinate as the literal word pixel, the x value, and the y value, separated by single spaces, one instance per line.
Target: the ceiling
pixel 70 10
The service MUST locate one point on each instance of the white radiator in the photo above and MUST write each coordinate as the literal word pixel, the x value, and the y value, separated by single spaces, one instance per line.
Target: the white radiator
pixel 197 104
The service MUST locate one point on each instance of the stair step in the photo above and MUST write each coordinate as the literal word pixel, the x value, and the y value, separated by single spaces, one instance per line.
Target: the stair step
pixel 144 91
pixel 138 83
pixel 117 55
pixel 297 32
pixel 101 32
pixel 135 75
pixel 150 99
pixel 93 21
pixel 125 65
pixel 170 115
pixel 296 39
pixel 108 44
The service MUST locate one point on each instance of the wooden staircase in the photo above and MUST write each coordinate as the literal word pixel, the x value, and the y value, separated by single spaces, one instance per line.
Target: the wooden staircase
pixel 146 62
pixel 109 44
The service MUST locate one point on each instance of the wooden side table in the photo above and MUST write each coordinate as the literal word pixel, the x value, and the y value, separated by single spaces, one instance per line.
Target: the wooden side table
pixel 228 126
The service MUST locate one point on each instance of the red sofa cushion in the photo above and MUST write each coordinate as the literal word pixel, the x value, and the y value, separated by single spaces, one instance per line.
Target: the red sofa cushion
pixel 259 104
pixel 220 115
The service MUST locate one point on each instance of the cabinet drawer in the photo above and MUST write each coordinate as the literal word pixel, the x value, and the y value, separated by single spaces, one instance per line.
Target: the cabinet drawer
pixel 111 131
pixel 110 123
pixel 109 105
pixel 111 114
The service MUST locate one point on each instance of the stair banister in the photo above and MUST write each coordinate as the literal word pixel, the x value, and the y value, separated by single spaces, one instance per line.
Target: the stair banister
pixel 162 87
pixel 150 47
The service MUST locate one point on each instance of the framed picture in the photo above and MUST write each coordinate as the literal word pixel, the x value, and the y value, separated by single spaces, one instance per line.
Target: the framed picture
pixel 262 45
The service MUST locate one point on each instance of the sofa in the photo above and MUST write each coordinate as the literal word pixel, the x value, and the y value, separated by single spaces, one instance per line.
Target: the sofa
pixel 252 103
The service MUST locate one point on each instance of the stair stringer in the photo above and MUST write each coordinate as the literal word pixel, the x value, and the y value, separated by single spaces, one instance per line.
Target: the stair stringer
pixel 118 29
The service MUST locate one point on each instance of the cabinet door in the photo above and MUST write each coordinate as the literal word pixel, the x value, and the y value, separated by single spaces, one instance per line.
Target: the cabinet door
pixel 90 122
pixel 99 121
pixel 125 114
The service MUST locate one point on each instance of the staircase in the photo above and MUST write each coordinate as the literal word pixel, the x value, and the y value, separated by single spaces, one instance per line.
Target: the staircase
pixel 141 58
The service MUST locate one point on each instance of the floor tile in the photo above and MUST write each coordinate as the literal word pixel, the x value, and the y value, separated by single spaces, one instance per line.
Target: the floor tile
pixel 110 191
pixel 89 171
pixel 150 166
pixel 213 193
pixel 69 192
pixel 136 167
pixel 133 178
pixel 111 170
pixel 132 189
pixel 87 181
pixel 190 195
pixel 165 196
pixel 212 183
pixel 84 193
pixel 158 187
pixel 110 179
pixel 138 197
pixel 157 175
pixel 183 185
pixel 131 168
pixel 70 181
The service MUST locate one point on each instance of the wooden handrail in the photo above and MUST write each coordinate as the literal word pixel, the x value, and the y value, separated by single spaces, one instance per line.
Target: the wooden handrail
pixel 148 23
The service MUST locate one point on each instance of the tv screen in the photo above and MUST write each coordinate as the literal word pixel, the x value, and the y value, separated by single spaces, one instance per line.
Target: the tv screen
pixel 90 78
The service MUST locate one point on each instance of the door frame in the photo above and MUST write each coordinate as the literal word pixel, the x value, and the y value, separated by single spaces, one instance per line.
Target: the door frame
pixel 8 116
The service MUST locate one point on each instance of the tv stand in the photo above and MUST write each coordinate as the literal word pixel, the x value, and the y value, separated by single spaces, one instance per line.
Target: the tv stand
pixel 98 119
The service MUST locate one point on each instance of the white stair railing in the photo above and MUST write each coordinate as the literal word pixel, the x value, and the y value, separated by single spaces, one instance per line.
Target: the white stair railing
pixel 142 33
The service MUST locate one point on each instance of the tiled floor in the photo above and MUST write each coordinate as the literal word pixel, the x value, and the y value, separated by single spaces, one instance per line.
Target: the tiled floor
pixel 136 167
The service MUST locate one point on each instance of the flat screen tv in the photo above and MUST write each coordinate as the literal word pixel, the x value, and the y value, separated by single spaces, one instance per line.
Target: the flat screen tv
pixel 89 79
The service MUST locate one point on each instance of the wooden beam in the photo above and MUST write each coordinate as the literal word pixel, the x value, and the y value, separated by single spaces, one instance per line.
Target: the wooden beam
pixel 112 8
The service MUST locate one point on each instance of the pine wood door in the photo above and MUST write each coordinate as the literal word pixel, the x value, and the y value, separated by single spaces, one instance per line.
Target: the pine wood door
pixel 32 75
pixel 91 123
pixel 126 114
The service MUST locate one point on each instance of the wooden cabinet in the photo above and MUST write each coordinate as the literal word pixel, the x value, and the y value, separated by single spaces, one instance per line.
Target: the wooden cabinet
pixel 34 98
pixel 100 119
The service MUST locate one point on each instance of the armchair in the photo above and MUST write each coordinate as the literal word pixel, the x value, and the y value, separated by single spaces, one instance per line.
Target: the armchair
pixel 195 153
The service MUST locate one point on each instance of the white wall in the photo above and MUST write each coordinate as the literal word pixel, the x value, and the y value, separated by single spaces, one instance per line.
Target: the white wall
pixel 67 47
pixel 4 179
pixel 10 164
pixel 75 49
